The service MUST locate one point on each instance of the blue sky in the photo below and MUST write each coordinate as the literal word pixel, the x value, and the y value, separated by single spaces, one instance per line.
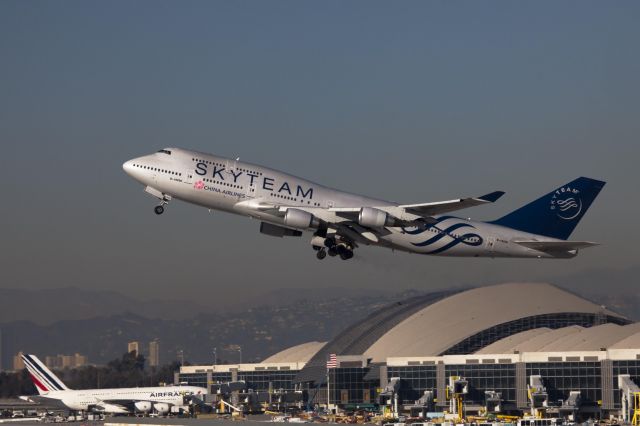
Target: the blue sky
pixel 407 101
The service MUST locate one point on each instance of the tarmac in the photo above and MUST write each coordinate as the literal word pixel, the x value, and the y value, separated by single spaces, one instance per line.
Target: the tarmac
pixel 152 421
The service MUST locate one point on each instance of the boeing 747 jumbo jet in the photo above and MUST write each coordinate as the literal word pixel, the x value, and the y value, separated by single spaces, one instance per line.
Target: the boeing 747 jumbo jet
pixel 52 391
pixel 287 205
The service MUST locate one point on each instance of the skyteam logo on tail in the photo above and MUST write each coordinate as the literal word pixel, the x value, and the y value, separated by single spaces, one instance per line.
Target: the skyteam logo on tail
pixel 566 203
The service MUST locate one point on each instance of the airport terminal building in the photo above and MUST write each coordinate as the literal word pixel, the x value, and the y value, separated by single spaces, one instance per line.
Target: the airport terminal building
pixel 505 349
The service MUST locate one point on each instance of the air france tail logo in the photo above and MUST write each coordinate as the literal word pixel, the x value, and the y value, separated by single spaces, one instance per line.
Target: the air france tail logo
pixel 566 203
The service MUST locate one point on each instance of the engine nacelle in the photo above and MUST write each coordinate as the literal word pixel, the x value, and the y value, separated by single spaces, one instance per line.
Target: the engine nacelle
pixel 374 218
pixel 300 219
pixel 317 241
pixel 142 406
pixel 161 407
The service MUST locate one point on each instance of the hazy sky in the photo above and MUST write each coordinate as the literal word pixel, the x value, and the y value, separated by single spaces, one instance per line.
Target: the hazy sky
pixel 406 101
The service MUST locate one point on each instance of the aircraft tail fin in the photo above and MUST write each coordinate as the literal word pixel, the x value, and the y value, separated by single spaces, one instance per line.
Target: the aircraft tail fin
pixel 557 213
pixel 44 379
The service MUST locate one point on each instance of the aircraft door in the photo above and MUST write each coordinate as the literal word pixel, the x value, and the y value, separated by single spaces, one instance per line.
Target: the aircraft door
pixel 251 188
pixel 187 176
pixel 230 166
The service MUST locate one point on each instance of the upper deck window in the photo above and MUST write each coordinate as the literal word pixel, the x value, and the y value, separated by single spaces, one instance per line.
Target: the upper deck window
pixel 165 151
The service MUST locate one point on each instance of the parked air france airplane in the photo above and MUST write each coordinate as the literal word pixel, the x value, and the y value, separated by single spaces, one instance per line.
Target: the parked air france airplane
pixel 286 205
pixel 52 391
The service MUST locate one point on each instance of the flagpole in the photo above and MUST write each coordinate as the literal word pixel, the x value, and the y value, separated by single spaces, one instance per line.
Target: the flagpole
pixel 331 363
pixel 328 392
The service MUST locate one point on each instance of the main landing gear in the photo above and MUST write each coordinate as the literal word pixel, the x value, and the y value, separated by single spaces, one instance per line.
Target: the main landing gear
pixel 333 249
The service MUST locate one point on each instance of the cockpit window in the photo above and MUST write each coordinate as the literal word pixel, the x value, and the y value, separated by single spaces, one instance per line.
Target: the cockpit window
pixel 165 151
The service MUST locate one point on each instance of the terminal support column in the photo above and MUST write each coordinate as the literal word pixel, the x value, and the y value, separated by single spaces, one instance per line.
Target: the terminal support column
pixel 522 399
pixel 209 380
pixel 606 378
pixel 441 385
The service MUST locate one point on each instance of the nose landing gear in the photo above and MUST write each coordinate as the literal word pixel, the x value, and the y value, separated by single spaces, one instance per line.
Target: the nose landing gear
pixel 160 208
pixel 164 199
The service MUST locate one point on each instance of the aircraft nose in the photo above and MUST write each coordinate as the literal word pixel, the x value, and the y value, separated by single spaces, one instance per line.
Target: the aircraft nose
pixel 127 166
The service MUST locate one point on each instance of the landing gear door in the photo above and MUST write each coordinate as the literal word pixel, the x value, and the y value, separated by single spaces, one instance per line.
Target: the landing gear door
pixel 491 244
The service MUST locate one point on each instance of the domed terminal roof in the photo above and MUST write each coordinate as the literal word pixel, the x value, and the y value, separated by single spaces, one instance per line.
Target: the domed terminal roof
pixel 461 322
pixel 468 321
pixel 574 338
pixel 299 353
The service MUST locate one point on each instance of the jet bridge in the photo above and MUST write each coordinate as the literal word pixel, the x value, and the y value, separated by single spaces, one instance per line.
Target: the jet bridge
pixel 389 396
pixel 571 405
pixel 630 399
pixel 423 405
pixel 456 390
pixel 492 401
pixel 538 396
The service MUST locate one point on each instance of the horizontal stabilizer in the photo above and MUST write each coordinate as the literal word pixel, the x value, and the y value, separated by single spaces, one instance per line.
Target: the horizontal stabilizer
pixel 556 246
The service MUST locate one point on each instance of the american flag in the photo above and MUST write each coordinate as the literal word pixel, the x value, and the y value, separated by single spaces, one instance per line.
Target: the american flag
pixel 332 361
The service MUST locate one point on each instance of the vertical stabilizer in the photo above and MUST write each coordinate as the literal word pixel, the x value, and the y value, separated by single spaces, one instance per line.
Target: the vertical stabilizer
pixel 557 213
pixel 43 378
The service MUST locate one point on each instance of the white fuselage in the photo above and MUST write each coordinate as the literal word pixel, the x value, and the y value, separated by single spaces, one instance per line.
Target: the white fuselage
pixel 83 400
pixel 237 187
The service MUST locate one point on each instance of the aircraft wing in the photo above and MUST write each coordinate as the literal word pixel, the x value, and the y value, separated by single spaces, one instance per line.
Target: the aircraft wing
pixel 404 212
pixel 115 406
pixel 345 219
pixel 441 207
pixel 555 246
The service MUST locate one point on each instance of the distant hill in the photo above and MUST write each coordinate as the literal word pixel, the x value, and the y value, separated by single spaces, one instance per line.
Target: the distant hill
pixel 100 323
pixel 259 331
pixel 71 303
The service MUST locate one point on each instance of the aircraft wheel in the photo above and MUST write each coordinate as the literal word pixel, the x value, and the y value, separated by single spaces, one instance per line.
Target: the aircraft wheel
pixel 329 242
pixel 332 251
pixel 158 209
pixel 346 255
pixel 321 254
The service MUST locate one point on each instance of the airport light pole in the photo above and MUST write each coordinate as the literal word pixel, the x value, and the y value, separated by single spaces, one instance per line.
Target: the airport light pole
pixel 215 356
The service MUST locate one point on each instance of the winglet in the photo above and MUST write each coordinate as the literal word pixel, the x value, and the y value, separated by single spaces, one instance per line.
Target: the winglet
pixel 492 197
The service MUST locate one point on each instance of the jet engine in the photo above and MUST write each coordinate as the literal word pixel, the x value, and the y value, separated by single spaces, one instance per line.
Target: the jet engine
pixel 300 219
pixel 374 218
pixel 142 406
pixel 161 407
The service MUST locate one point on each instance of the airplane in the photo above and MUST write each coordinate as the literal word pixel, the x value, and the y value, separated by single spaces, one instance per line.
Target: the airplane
pixel 287 205
pixel 53 392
